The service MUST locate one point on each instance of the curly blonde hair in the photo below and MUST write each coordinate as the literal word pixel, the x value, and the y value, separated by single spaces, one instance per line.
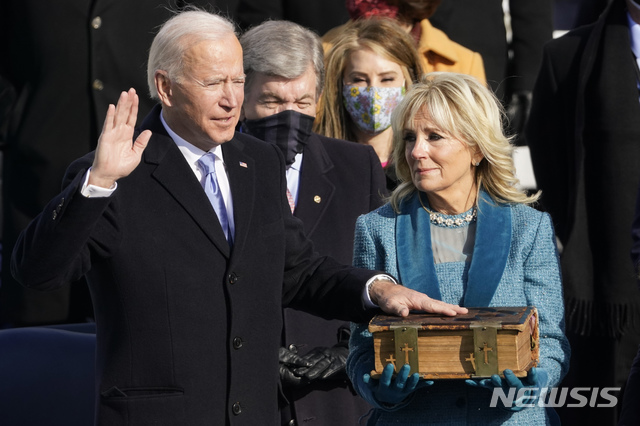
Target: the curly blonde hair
pixel 463 107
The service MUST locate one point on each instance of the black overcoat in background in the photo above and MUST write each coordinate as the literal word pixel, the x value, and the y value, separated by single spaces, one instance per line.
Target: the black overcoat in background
pixel 339 181
pixel 584 136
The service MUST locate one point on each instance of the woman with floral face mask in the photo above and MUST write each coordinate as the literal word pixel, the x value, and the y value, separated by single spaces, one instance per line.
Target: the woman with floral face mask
pixel 368 70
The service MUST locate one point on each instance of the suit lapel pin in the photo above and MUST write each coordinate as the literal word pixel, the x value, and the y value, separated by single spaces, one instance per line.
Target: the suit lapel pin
pixel 243 164
pixel 317 199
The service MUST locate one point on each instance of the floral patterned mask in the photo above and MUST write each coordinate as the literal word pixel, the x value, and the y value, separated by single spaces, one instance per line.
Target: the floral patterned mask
pixel 371 107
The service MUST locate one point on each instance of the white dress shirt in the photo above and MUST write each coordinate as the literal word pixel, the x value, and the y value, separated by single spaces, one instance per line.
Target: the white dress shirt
pixel 293 177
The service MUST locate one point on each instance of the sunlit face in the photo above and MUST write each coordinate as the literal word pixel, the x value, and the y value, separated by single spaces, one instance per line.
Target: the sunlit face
pixel 364 68
pixel 269 95
pixel 440 164
pixel 204 106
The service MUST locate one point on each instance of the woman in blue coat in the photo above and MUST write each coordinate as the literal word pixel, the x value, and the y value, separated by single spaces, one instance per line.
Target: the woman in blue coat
pixel 459 230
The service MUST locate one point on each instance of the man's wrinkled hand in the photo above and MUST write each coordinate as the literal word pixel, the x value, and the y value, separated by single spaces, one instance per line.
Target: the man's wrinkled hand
pixel 117 155
pixel 399 300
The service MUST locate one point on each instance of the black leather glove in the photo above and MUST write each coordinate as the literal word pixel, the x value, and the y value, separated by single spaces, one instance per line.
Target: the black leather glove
pixel 289 362
pixel 518 112
pixel 326 363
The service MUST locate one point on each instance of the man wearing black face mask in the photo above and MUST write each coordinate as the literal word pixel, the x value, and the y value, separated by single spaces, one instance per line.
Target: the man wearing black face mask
pixel 330 183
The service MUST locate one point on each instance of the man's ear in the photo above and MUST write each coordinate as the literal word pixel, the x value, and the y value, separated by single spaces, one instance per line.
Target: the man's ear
pixel 163 87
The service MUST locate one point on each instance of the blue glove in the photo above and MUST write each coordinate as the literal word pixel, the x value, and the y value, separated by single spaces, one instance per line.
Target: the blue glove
pixel 391 391
pixel 536 379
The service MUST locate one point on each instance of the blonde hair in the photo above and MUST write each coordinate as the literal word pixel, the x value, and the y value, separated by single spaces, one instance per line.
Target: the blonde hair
pixel 463 107
pixel 385 38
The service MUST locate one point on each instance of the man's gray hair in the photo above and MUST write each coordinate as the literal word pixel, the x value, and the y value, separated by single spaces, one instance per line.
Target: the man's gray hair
pixel 282 49
pixel 179 34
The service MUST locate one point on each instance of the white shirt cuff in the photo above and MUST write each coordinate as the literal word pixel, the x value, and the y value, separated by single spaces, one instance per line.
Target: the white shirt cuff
pixel 93 191
pixel 367 299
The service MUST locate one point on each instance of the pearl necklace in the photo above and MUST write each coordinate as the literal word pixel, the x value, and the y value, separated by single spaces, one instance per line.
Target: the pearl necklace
pixel 441 219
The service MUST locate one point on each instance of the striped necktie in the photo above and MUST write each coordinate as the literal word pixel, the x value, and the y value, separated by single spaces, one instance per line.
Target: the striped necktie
pixel 292 202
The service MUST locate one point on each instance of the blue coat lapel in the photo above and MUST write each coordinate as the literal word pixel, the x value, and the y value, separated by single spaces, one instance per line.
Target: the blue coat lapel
pixel 490 252
pixel 416 268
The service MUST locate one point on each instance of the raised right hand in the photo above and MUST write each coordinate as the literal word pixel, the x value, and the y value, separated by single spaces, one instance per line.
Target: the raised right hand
pixel 117 155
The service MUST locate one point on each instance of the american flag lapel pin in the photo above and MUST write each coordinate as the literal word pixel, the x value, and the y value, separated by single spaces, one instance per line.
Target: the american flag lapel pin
pixel 243 164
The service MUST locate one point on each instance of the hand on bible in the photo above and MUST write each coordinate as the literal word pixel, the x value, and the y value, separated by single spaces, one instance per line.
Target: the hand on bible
pixel 399 300
pixel 391 391
pixel 117 155
pixel 527 389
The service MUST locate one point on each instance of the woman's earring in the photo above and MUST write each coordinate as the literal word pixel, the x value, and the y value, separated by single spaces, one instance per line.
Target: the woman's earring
pixel 476 164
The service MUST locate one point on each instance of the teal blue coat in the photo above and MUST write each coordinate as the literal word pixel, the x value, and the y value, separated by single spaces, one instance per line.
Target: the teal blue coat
pixel 514 263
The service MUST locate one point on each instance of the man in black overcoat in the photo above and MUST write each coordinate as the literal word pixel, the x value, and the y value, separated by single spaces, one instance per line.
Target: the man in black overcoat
pixel 189 316
pixel 332 182
pixel 584 136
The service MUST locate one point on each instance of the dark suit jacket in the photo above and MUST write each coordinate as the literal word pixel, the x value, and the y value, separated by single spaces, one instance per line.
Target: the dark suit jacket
pixel 339 181
pixel 187 329
pixel 630 411
pixel 349 180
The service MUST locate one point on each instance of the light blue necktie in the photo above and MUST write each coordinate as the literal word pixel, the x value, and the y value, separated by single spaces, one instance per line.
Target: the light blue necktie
pixel 212 189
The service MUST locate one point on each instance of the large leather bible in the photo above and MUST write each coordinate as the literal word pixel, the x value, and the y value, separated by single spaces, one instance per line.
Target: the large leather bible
pixel 481 343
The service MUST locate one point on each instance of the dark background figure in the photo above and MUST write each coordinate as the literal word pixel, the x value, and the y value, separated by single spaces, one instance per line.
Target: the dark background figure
pixel 571 14
pixel 332 182
pixel 62 64
pixel 317 15
pixel 583 133
pixel 630 411
pixel 511 66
